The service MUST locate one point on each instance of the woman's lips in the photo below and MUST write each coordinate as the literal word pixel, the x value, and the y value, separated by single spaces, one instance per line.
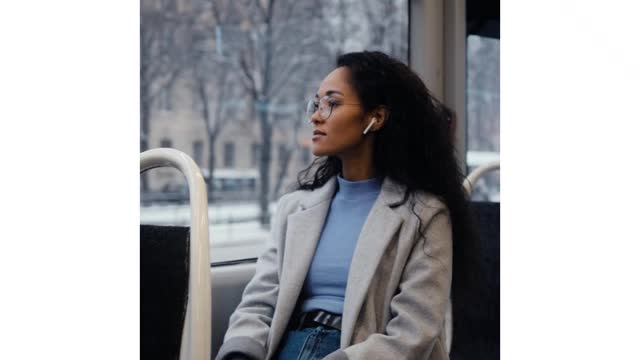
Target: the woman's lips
pixel 317 134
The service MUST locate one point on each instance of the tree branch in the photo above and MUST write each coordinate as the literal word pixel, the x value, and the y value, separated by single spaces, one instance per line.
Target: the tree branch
pixel 250 84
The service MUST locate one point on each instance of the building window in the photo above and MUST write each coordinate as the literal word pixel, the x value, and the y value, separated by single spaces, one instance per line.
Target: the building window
pixel 229 154
pixel 198 148
pixel 255 154
pixel 165 143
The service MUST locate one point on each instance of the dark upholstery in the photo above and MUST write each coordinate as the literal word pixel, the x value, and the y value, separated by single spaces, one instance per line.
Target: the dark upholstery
pixel 164 279
pixel 476 318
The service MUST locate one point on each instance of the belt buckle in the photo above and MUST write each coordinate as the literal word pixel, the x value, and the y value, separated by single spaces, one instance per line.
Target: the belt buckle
pixel 318 317
pixel 328 319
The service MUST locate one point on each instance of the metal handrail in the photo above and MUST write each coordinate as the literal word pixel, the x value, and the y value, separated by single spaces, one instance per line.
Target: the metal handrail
pixel 476 174
pixel 196 336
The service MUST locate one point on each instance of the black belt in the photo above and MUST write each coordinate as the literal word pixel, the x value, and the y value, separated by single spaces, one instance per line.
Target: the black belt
pixel 315 318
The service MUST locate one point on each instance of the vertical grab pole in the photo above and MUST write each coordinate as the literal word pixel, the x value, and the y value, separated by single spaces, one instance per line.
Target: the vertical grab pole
pixel 196 335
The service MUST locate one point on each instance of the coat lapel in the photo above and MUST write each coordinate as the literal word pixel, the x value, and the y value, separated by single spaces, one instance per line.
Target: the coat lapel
pixel 378 230
pixel 304 228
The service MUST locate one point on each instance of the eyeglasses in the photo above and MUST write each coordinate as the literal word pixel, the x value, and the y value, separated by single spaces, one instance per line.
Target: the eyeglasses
pixel 324 106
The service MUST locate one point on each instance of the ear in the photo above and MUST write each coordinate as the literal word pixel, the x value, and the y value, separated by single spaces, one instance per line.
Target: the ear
pixel 381 114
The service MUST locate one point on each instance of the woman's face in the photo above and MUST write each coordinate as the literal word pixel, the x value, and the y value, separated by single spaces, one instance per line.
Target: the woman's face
pixel 341 132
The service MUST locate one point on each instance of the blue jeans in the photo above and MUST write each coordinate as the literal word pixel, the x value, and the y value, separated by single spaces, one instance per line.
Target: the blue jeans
pixel 309 344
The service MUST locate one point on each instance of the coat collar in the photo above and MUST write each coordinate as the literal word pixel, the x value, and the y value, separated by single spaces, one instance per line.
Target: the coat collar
pixel 304 228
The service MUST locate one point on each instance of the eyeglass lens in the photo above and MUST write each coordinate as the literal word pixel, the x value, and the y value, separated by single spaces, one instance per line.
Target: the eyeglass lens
pixel 322 106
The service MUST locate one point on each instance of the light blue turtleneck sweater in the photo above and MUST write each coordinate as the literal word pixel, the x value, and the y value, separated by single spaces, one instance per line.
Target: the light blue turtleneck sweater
pixel 326 282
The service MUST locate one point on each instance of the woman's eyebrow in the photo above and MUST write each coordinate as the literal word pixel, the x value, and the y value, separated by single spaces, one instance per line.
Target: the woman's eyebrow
pixel 330 92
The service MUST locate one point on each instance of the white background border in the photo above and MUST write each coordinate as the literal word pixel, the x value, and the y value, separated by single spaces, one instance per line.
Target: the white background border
pixel 69 144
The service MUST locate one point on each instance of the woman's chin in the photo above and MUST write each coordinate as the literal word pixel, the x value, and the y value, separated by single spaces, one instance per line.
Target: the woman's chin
pixel 323 151
pixel 317 152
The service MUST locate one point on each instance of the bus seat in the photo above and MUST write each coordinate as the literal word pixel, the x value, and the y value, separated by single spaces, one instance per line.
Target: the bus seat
pixel 164 273
pixel 476 317
pixel 228 281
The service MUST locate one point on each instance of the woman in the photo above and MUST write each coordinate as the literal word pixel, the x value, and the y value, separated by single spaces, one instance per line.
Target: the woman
pixel 359 265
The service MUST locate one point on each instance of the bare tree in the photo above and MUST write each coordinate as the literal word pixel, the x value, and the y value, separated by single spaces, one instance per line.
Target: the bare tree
pixel 367 25
pixel 292 124
pixel 287 149
pixel 271 53
pixel 212 113
pixel 341 25
pixel 159 65
pixel 212 78
pixel 384 26
pixel 280 43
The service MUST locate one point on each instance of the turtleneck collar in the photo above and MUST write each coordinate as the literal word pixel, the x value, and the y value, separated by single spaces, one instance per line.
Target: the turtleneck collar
pixel 357 190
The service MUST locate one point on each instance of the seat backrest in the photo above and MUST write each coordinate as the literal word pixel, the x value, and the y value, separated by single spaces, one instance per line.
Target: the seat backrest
pixel 476 316
pixel 164 285
pixel 228 282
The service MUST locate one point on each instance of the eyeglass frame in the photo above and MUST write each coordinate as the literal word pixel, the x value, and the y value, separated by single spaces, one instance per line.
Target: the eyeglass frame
pixel 317 107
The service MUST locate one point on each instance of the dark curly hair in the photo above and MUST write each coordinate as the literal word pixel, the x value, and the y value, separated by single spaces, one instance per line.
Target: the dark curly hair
pixel 413 148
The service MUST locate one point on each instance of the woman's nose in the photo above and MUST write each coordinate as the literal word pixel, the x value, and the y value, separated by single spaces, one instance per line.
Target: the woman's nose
pixel 315 117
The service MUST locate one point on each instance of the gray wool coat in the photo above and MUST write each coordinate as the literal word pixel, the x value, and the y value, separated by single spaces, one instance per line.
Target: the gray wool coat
pixel 397 290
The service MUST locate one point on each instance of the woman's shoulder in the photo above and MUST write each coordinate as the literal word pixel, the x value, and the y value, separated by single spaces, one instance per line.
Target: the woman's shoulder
pixel 290 198
pixel 306 198
pixel 291 201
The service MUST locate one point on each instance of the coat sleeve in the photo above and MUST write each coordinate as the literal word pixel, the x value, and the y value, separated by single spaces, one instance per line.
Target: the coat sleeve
pixel 250 322
pixel 419 306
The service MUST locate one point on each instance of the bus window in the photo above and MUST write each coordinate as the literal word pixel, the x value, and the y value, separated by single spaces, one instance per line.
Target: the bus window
pixel 237 78
pixel 483 112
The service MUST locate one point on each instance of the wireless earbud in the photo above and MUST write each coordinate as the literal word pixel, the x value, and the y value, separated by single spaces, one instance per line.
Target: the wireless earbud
pixel 373 121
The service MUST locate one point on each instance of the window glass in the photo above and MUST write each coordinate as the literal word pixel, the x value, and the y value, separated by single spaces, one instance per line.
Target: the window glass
pixel 197 151
pixel 255 154
pixel 483 112
pixel 237 75
pixel 283 154
pixel 305 156
pixel 167 196
pixel 229 155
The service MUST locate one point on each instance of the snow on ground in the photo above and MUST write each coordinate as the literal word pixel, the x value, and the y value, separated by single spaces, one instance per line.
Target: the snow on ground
pixel 228 241
pixel 164 214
